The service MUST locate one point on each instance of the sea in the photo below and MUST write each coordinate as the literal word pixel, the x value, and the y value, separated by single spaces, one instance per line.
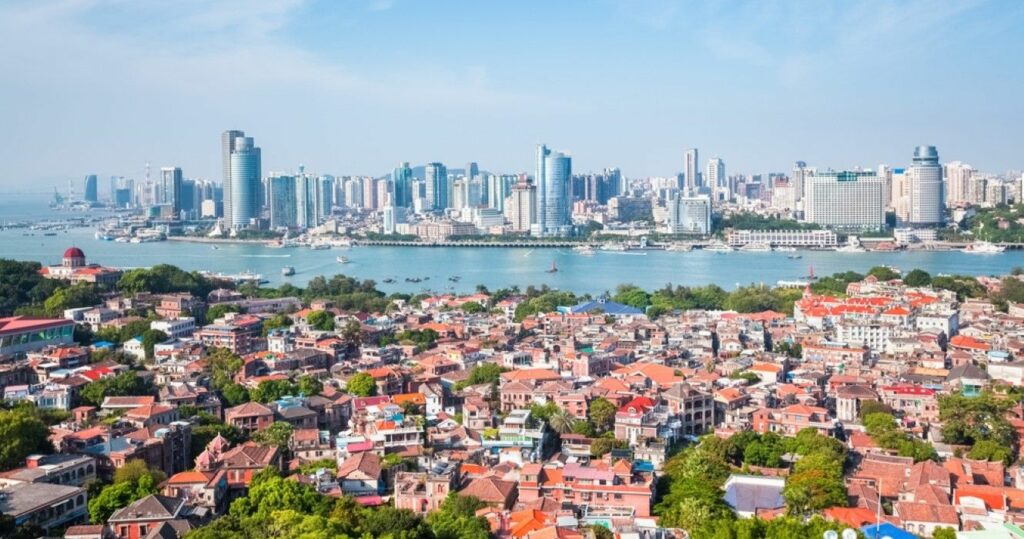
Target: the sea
pixel 460 269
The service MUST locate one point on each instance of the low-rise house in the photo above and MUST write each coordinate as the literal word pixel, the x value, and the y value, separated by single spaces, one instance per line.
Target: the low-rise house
pixel 361 475
pixel 46 505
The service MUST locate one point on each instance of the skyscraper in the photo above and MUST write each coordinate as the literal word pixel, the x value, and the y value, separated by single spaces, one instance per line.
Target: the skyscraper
pixel 689 214
pixel 522 206
pixel 554 175
pixel 169 189
pixel 692 165
pixel 402 178
pixel 957 177
pixel 925 176
pixel 437 187
pixel 242 202
pixel 472 170
pixel 227 146
pixel 90 188
pixel 283 204
pixel 715 176
pixel 845 199
pixel 498 189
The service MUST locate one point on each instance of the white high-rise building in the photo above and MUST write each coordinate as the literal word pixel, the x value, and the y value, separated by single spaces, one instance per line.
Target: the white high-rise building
pixel 715 175
pixel 845 199
pixel 957 176
pixel 690 171
pixel 521 206
pixel 689 215
pixel 553 179
pixel 925 175
pixel 899 195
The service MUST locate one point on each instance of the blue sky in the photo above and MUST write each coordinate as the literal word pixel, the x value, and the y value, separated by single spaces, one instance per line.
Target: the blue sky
pixel 353 87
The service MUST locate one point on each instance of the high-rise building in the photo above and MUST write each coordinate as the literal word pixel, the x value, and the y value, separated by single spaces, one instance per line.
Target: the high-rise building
pixel 498 190
pixel 472 170
pixel 169 189
pixel 370 201
pixel 616 183
pixel 521 208
pixel 690 171
pixel 437 187
pixel 845 199
pixel 402 179
pixel 689 214
pixel 90 188
pixel 957 177
pixel 800 172
pixel 245 184
pixel 353 193
pixel 283 203
pixel 715 176
pixel 926 201
pixel 227 147
pixel 325 197
pixel 899 195
pixel 554 175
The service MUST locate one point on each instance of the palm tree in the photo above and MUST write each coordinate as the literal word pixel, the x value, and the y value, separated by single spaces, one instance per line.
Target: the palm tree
pixel 561 422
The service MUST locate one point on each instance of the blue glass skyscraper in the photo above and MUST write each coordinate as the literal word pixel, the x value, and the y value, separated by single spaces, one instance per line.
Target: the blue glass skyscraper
pixel 245 183
pixel 402 179
pixel 553 179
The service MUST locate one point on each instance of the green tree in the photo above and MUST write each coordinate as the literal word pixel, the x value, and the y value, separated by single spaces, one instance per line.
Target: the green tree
pixel 22 433
pixel 917 277
pixel 362 385
pixel 561 421
pixel 221 309
pixel 278 321
pixel 277 434
pixel 472 307
pixel 632 295
pixel 135 483
pixel 309 386
pixel 884 273
pixel 125 384
pixel 272 390
pixel 601 413
pixel 73 297
pixel 150 338
pixel 321 320
pixel 944 533
pixel 991 450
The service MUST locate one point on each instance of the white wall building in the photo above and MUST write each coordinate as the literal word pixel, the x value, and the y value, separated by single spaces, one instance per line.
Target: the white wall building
pixel 845 199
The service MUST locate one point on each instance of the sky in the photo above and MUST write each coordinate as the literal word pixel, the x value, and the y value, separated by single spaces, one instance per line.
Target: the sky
pixel 356 86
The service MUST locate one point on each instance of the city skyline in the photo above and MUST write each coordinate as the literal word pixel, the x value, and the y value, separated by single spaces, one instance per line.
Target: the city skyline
pixel 323 100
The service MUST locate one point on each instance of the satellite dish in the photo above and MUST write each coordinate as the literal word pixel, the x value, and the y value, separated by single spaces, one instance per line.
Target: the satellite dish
pixel 831 534
pixel 850 534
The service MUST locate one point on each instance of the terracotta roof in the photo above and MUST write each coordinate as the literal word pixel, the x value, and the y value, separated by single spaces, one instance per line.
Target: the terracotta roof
pixel 490 489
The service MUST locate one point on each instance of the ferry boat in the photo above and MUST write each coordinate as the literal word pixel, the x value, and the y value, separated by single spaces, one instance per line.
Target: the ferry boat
pixel 984 248
pixel 613 247
pixel 287 271
pixel 718 247
pixel 584 250
pixel 756 247
pixel 342 260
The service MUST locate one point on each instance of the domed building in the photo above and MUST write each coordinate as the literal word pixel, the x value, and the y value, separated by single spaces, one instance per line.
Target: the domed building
pixel 74 268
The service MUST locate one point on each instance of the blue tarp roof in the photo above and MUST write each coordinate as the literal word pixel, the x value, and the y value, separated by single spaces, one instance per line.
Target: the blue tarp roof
pixel 886 529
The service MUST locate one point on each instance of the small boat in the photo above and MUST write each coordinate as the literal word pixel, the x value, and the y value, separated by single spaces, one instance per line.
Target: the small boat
pixel 795 257
pixel 389 280
pixel 680 247
pixel 413 279
pixel 810 275
pixel 584 250
pixel 785 249
pixel 553 268
pixel 718 247
pixel 287 271
pixel 319 246
pixel 983 248
pixel 756 247
pixel 49 233
pixel 214 247
pixel 342 260
pixel 454 278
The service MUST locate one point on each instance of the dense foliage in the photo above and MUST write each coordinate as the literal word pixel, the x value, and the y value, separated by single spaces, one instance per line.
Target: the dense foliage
pixel 886 433
pixel 980 422
pixel 132 481
pixel 277 507
pixel 164 278
pixel 362 385
pixel 122 385
pixel 22 433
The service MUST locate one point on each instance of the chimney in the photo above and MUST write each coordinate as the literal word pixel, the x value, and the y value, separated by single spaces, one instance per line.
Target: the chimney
pixel 33 461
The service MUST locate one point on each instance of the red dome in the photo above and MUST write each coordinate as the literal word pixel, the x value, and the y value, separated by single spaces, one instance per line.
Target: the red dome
pixel 74 252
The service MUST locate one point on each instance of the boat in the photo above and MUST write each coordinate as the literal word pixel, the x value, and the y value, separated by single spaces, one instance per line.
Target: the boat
pixel 49 233
pixel 342 260
pixel 795 257
pixel 792 284
pixel 613 247
pixel 319 246
pixel 454 278
pixel 287 271
pixel 852 246
pixel 785 249
pixel 810 275
pixel 983 248
pixel 413 279
pixel 718 247
pixel 553 268
pixel 214 247
pixel 756 247
pixel 584 250
pixel 389 280
pixel 679 247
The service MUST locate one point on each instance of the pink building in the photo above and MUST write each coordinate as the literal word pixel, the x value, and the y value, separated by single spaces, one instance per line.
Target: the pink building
pixel 606 490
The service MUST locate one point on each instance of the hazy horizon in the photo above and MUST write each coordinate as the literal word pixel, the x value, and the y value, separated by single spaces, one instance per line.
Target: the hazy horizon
pixel 97 86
